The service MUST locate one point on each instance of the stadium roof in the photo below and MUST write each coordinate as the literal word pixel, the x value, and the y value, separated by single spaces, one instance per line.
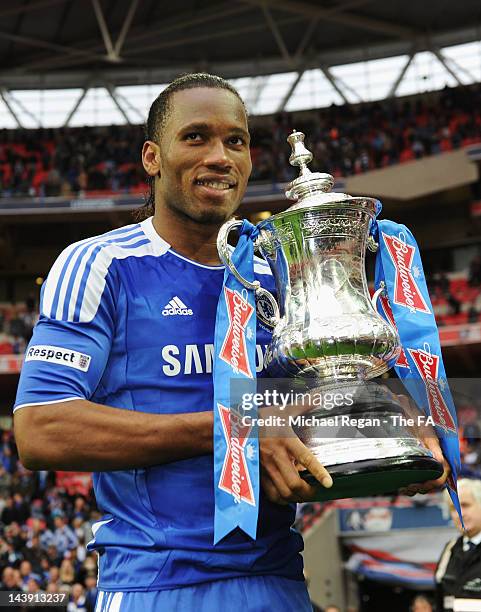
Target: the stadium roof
pixel 295 51
pixel 60 42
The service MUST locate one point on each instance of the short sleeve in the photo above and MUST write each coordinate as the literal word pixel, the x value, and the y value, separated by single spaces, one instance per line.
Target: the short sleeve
pixel 71 342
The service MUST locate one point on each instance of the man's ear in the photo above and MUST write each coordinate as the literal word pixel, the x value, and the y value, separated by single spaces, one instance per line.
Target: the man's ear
pixel 151 158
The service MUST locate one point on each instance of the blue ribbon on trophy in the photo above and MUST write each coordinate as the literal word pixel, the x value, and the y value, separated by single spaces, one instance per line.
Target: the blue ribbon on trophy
pixel 236 446
pixel 406 305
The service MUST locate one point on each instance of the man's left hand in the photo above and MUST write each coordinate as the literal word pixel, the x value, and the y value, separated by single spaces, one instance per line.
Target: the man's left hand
pixel 427 435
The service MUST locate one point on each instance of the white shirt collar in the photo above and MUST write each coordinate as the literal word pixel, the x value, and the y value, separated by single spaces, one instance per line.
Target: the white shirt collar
pixel 476 539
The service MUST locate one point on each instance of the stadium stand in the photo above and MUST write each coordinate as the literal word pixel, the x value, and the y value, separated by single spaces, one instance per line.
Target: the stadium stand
pixel 346 140
pixel 45 524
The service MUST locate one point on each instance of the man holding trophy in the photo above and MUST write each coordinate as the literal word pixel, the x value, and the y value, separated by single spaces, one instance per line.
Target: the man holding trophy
pixel 130 370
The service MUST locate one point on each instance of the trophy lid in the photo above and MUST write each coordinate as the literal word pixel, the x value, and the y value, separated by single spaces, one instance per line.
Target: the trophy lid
pixel 307 182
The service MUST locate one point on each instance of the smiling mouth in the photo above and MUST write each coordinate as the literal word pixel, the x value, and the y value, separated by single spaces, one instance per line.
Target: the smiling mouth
pixel 219 185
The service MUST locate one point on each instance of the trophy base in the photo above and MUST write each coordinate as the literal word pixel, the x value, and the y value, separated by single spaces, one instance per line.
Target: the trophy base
pixel 375 476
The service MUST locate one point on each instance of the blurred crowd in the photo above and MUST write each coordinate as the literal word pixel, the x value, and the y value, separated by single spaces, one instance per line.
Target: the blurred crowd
pixel 352 139
pixel 469 423
pixel 45 524
pixel 345 140
pixel 16 325
pixel 64 162
pixel 455 300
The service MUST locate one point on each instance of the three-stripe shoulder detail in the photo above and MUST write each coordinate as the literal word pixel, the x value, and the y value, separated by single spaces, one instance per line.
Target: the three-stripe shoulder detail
pixel 76 282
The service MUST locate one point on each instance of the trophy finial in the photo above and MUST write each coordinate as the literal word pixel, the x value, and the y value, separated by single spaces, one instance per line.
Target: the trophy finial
pixel 307 182
pixel 300 156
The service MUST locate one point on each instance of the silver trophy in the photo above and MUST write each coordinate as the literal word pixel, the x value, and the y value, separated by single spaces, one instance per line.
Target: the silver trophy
pixel 328 334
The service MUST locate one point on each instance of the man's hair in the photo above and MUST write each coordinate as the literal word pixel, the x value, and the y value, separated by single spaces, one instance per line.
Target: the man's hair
pixel 471 484
pixel 159 113
pixel 420 599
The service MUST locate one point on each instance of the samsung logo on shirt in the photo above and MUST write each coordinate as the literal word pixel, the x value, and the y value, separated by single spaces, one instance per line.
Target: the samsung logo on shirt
pixel 56 354
pixel 197 359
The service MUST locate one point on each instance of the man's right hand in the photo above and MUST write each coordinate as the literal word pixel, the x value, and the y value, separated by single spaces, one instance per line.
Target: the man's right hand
pixel 281 459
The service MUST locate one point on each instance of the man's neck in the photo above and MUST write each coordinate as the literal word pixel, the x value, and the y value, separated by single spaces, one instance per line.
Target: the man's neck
pixel 193 240
pixel 475 538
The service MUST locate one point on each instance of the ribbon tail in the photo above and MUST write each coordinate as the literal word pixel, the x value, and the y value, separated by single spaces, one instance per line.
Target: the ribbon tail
pixel 236 445
pixel 420 367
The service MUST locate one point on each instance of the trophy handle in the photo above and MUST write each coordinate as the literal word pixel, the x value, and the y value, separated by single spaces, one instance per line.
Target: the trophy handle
pixel 376 295
pixel 267 308
pixel 225 253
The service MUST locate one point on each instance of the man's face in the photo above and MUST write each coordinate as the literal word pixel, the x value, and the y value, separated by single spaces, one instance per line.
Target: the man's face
pixel 422 605
pixel 54 572
pixel 25 568
pixel 204 155
pixel 471 511
pixel 8 577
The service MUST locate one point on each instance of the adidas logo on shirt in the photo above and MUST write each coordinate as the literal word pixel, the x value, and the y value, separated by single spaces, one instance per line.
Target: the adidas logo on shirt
pixel 176 307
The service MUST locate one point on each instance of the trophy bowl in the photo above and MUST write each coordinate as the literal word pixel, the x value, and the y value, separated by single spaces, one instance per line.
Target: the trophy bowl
pixel 326 329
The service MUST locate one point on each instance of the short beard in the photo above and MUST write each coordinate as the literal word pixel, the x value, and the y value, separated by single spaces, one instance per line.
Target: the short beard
pixel 213 217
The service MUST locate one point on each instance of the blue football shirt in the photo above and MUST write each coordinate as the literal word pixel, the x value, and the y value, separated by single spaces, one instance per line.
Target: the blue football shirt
pixel 127 322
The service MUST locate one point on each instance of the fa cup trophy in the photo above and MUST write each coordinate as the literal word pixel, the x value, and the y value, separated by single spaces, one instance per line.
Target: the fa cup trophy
pixel 327 332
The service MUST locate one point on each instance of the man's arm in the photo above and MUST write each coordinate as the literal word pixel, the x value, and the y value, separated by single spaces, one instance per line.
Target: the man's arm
pixel 84 436
pixel 80 435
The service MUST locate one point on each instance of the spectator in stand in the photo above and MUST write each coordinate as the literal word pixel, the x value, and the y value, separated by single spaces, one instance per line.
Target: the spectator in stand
pixel 5 482
pixel 78 600
pixel 24 482
pixel 15 511
pixel 53 183
pixel 37 518
pixel 63 537
pixel 7 441
pixel 10 580
pixel 82 529
pixel 421 604
pixel 445 289
pixel 91 590
pixel 44 569
pixel 474 275
pixel 29 317
pixel 7 459
pixel 53 556
pixel 11 555
pixel 35 586
pixel 22 508
pixel 54 575
pixel 32 552
pixel 81 550
pixel 17 324
pixel 80 509
pixel 67 572
pixel 25 573
pixel 473 314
